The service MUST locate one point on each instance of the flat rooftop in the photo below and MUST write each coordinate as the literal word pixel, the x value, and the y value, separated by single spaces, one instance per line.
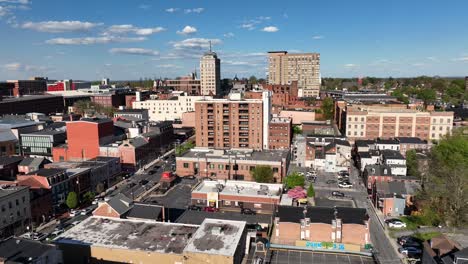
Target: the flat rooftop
pixel 28 98
pixel 218 237
pixel 240 188
pixel 5 191
pixel 238 155
pixel 130 234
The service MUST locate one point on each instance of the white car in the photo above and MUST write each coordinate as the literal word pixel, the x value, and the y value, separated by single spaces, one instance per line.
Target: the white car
pixel 396 224
pixel 345 185
pixel 74 213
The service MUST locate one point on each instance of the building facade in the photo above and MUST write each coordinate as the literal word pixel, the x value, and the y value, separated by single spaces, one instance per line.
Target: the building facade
pixel 210 74
pixel 15 210
pixel 380 121
pixel 235 165
pixel 280 133
pixel 29 87
pixel 284 68
pixel 41 143
pixel 188 84
pixel 171 109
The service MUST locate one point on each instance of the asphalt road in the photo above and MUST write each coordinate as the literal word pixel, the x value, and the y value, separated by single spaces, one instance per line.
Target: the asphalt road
pixel 177 197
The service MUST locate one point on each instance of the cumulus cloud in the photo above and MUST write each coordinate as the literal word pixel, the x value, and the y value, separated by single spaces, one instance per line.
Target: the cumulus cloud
pixel 270 29
pixel 92 40
pixel 172 10
pixel 252 23
pixel 16 66
pixel 187 30
pixel 196 43
pixel 350 65
pixel 59 26
pixel 460 59
pixel 317 37
pixel 134 51
pixel 127 28
pixel 194 10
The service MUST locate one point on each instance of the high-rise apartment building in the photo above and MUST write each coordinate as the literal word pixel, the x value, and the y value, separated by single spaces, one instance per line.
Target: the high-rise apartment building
pixel 210 74
pixel 225 123
pixel 284 68
pixel 389 121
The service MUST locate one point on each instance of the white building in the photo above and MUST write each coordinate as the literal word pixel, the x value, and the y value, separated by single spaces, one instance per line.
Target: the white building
pixel 170 109
pixel 210 74
pixel 328 154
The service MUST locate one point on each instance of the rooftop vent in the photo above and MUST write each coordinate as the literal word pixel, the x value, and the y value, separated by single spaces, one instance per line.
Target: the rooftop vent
pixel 216 231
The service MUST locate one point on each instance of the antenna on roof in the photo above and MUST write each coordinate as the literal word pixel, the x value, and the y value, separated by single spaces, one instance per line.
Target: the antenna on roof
pixel 210 45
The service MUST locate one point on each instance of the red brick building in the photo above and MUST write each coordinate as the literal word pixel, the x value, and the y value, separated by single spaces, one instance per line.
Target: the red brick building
pixel 83 139
pixel 280 133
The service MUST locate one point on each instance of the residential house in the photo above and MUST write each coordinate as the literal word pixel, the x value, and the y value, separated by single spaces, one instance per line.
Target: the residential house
pixel 393 197
pixel 327 154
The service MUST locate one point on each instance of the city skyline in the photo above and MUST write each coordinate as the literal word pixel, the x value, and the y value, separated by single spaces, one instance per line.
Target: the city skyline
pixel 90 40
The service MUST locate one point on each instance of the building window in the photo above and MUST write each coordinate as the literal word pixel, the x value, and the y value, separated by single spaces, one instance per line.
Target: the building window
pixel 186 165
pixel 228 203
pixel 275 170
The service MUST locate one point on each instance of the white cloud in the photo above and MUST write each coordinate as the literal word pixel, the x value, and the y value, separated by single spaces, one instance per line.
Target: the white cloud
pixel 196 43
pixel 149 31
pixel 134 51
pixel 237 63
pixel 92 40
pixel 252 23
pixel 14 66
pixel 248 26
pixel 432 58
pixel 229 35
pixel 172 10
pixel 21 2
pixel 127 28
pixel 194 10
pixel 270 29
pixel 187 30
pixel 317 37
pixel 59 26
pixel 350 65
pixel 144 6
pixel 168 66
pixel 460 59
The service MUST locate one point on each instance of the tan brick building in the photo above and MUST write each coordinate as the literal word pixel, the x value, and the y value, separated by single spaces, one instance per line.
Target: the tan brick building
pixel 210 74
pixel 284 68
pixel 225 124
pixel 335 229
pixel 389 121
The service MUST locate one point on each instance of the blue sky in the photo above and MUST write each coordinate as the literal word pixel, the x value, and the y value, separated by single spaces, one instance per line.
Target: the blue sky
pixel 129 39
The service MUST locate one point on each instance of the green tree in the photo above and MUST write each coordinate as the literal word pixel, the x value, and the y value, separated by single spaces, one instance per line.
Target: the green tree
pixel 262 174
pixel 297 130
pixel 327 108
pixel 427 95
pixel 88 197
pixel 446 186
pixel 412 163
pixel 253 79
pixel 311 191
pixel 295 179
pixel 72 200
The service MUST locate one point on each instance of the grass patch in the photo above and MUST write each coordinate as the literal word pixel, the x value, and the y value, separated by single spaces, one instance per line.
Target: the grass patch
pixel 413 221
pixel 427 235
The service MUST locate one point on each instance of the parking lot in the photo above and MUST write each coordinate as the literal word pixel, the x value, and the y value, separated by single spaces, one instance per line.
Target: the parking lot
pixel 177 197
pixel 294 256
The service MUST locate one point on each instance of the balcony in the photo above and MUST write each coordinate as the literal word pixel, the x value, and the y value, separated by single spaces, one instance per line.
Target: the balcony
pixel 244 117
pixel 210 117
pixel 226 123
pixel 243 123
pixel 243 134
pixel 210 128
pixel 243 112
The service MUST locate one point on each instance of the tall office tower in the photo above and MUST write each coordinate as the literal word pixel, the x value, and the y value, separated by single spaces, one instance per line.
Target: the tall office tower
pixel 105 81
pixel 284 68
pixel 210 74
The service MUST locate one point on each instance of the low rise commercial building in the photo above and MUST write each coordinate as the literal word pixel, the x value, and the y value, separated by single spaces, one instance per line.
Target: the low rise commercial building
pixel 28 164
pixel 232 164
pixel 133 241
pixel 9 167
pixel 21 250
pixel 188 84
pixel 170 109
pixel 327 153
pixel 8 142
pixel 15 210
pixel 322 228
pixel 46 104
pixel 298 116
pixel 41 143
pixel 132 113
pixel 29 87
pixel 235 195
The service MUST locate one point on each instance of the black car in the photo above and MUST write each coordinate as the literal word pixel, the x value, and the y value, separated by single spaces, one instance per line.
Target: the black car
pixel 152 171
pixel 338 194
pixel 408 239
pixel 414 244
pixel 143 182
pixel 247 211
pixel 194 208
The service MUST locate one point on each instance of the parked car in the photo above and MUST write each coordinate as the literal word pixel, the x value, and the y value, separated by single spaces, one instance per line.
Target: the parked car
pixel 338 194
pixel 88 210
pixel 345 185
pixel 57 232
pixel 74 213
pixel 389 220
pixel 210 209
pixel 408 239
pixel 396 224
pixel 343 173
pixel 411 244
pixel 330 181
pixel 39 236
pixel 409 250
pixel 143 182
pixel 194 207
pixel 248 211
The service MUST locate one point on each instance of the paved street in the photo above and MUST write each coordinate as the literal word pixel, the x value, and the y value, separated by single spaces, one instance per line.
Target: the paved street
pixel 177 197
